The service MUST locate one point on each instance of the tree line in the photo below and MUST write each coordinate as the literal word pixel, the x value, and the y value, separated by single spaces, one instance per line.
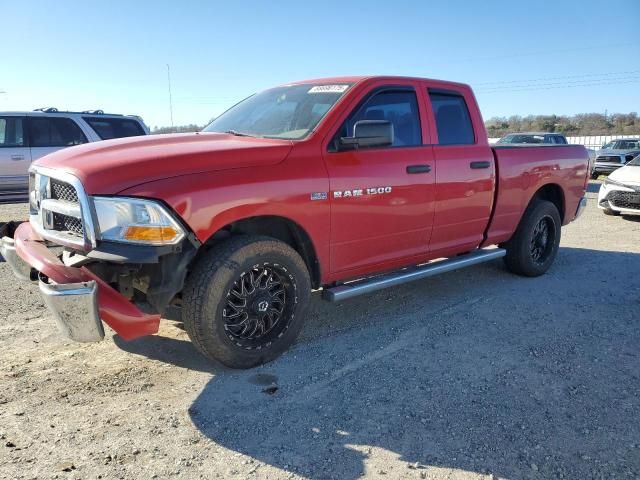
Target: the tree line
pixel 570 125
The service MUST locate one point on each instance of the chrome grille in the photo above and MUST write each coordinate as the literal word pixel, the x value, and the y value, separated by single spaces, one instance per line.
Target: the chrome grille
pixel 610 159
pixel 629 200
pixel 59 209
pixel 67 223
pixel 63 191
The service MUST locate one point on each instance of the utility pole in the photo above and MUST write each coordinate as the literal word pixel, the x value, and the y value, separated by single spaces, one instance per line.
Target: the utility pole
pixel 170 100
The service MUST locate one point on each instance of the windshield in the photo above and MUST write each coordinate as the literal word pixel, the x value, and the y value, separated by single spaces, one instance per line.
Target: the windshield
pixel 627 144
pixel 522 139
pixel 290 112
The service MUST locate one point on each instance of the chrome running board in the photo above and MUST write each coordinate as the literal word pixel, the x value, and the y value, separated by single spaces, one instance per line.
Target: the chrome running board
pixel 368 285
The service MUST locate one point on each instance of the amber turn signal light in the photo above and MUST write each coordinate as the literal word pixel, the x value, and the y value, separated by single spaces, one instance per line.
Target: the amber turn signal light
pixel 151 234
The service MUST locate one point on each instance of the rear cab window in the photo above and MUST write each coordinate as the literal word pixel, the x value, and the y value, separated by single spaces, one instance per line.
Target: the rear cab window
pixel 453 121
pixel 107 128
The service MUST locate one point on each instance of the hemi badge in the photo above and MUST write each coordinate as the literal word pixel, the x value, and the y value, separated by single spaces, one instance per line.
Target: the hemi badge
pixel 318 195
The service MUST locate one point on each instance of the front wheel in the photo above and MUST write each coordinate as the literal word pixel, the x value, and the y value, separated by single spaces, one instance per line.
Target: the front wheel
pixel 244 302
pixel 608 211
pixel 594 175
pixel 534 246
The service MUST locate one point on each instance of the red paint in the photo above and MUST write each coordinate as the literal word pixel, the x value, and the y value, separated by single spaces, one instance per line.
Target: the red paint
pixel 211 180
pixel 115 310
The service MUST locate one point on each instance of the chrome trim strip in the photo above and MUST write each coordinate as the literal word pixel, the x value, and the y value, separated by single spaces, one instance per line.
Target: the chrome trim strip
pixel 60 206
pixel 369 285
pixel 86 212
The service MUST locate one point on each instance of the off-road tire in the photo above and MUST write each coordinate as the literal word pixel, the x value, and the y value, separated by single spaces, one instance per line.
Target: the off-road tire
pixel 520 257
pixel 207 290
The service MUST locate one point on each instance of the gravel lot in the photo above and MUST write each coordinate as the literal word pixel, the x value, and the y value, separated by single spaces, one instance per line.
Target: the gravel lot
pixel 474 374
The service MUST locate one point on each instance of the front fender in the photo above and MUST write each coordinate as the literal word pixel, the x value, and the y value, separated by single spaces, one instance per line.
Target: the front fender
pixel 208 203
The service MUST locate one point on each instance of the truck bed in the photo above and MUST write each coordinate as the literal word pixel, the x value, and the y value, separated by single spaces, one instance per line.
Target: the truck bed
pixel 523 170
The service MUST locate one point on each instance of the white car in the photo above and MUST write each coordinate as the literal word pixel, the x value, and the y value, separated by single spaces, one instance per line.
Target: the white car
pixel 620 191
pixel 27 136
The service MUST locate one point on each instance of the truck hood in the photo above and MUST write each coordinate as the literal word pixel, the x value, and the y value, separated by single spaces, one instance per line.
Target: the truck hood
pixel 616 151
pixel 112 166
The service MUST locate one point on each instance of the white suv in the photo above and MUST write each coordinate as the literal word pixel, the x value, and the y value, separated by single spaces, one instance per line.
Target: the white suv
pixel 27 136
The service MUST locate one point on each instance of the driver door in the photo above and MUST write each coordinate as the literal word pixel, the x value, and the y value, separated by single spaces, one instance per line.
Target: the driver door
pixel 382 198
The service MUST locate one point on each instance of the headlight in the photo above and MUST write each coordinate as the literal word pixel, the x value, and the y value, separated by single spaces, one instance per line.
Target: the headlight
pixel 608 181
pixel 135 220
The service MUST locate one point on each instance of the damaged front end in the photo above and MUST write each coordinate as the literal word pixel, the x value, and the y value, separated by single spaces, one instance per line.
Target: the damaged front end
pixel 85 280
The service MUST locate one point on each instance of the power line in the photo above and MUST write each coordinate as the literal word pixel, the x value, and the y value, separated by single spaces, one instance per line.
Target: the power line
pixel 533 54
pixel 529 89
pixel 583 75
pixel 553 84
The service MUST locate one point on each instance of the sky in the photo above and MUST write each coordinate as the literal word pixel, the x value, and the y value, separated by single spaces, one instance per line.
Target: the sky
pixel 521 57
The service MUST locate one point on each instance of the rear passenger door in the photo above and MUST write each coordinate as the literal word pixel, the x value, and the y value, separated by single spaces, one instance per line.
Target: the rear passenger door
pixel 15 156
pixel 465 172
pixel 49 134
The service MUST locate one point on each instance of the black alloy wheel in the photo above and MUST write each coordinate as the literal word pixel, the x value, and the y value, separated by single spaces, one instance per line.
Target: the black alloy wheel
pixel 542 240
pixel 256 309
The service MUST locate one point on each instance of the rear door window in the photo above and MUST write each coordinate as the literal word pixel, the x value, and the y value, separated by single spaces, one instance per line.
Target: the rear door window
pixel 12 132
pixel 108 128
pixel 452 118
pixel 55 132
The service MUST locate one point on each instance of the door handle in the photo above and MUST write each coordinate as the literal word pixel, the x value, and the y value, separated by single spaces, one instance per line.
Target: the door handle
pixel 418 168
pixel 17 157
pixel 476 165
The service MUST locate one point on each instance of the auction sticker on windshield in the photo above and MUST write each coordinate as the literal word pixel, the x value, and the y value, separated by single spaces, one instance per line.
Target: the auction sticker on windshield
pixel 328 89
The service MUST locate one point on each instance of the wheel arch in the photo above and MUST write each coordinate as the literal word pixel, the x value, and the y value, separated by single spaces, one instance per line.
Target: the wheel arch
pixel 553 193
pixel 275 226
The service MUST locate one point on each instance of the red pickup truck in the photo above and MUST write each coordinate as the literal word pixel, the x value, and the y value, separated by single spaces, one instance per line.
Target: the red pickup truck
pixel 346 184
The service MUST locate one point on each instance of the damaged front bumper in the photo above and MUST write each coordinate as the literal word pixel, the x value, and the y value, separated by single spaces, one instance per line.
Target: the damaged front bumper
pixel 79 300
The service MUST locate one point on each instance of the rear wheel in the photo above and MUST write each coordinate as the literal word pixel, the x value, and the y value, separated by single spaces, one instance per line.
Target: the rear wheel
pixel 594 175
pixel 244 302
pixel 533 248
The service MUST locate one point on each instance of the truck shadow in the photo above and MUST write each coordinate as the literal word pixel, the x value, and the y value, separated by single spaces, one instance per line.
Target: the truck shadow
pixel 477 371
pixel 180 353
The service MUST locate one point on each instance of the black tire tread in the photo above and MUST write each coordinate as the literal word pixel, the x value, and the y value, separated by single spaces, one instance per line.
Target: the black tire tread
pixel 199 288
pixel 518 255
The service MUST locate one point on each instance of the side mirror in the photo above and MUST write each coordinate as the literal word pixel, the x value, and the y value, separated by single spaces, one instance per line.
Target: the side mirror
pixel 369 133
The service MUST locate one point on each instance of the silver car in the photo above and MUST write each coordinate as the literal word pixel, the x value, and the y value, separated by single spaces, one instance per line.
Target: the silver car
pixel 27 136
pixel 614 155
